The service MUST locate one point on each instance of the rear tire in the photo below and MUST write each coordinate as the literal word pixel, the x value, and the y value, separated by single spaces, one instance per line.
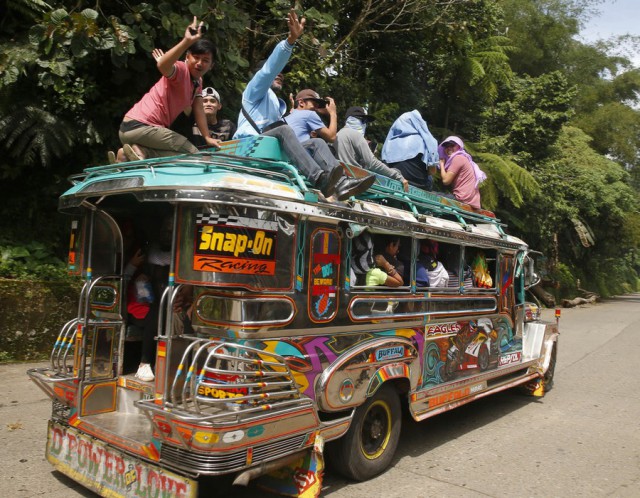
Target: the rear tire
pixel 368 447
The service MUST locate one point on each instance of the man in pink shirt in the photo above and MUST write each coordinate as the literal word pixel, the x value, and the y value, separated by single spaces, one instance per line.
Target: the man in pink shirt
pixel 144 131
pixel 458 170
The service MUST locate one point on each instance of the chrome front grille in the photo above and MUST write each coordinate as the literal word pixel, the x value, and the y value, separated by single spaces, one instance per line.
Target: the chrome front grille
pixel 227 462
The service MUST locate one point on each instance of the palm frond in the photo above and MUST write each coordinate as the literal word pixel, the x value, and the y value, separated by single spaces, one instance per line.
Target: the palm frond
pixel 28 8
pixel 504 179
pixel 32 135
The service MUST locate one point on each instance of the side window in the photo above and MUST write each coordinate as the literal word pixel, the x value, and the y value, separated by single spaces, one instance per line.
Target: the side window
pixel 378 260
pixel 483 264
pixel 437 265
pixel 75 259
pixel 105 257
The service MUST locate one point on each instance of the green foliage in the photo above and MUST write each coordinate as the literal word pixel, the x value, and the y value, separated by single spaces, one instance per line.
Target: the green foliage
pixel 34 136
pixel 33 313
pixel 542 33
pixel 564 278
pixel 615 128
pixel 32 261
pixel 506 181
pixel 546 116
pixel 531 118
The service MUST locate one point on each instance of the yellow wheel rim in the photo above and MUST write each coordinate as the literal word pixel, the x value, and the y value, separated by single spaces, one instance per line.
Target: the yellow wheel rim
pixel 376 430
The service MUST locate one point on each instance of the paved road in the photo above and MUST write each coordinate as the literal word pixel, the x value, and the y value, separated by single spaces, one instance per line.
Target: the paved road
pixel 582 439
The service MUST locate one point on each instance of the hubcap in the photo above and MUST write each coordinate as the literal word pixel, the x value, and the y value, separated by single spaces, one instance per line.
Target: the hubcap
pixel 376 430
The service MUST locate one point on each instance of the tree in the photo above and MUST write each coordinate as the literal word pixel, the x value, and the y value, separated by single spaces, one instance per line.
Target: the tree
pixel 507 75
pixel 530 120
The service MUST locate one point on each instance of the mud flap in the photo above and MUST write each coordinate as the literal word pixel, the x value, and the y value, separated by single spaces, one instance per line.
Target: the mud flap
pixel 302 478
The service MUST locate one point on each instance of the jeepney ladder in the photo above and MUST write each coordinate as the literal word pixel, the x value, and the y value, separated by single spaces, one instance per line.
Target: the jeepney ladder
pixel 90 330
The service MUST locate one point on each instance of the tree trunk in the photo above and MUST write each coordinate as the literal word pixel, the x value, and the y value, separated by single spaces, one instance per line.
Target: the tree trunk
pixel 571 303
pixel 547 299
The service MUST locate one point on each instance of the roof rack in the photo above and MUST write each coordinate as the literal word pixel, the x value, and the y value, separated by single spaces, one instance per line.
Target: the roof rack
pixel 261 155
pixel 385 190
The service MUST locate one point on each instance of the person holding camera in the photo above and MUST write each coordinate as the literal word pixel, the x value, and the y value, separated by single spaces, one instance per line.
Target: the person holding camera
pixel 305 120
pixel 144 131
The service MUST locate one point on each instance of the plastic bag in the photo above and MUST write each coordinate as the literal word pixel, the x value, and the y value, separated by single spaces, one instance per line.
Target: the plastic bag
pixel 481 276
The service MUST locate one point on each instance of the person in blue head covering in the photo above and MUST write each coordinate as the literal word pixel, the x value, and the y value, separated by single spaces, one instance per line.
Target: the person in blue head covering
pixel 410 148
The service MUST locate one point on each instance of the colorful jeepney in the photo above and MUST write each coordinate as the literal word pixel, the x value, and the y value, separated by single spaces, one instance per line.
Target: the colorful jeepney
pixel 285 345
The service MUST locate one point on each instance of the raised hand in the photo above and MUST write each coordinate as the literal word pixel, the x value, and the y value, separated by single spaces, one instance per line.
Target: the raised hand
pixel 157 53
pixel 194 30
pixel 296 26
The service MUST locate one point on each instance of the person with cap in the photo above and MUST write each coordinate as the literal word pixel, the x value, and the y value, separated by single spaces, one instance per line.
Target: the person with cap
pixel 410 148
pixel 144 131
pixel 305 120
pixel 220 129
pixel 352 147
pixel 262 114
pixel 458 169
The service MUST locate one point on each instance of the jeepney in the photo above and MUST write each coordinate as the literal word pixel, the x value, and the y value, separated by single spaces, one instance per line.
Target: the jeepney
pixel 286 345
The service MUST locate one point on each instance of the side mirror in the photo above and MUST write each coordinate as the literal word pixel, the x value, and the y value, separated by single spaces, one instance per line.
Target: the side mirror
pixel 531 278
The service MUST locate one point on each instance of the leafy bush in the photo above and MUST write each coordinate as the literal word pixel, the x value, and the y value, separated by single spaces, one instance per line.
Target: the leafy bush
pixel 563 275
pixel 30 261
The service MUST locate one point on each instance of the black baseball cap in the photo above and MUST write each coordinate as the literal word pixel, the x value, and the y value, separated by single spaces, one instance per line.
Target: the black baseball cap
pixel 360 113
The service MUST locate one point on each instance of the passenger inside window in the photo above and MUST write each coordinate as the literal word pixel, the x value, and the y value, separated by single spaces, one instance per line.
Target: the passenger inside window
pixel 361 258
pixel 388 269
pixel 429 271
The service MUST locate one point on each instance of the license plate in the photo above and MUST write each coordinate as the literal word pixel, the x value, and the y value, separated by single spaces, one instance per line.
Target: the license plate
pixel 110 472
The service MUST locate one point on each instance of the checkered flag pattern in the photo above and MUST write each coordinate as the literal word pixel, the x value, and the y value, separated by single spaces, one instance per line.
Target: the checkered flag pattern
pixel 213 219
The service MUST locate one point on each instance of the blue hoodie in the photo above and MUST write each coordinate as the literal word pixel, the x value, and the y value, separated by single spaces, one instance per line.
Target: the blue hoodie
pixel 408 137
pixel 260 102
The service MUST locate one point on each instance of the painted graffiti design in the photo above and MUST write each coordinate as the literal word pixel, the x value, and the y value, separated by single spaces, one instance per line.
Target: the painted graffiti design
pixel 471 346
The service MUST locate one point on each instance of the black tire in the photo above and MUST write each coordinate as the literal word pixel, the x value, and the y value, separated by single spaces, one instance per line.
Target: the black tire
pixel 368 447
pixel 483 357
pixel 549 374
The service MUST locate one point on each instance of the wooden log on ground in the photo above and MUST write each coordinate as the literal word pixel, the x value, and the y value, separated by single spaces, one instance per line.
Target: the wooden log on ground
pixel 572 303
pixel 545 297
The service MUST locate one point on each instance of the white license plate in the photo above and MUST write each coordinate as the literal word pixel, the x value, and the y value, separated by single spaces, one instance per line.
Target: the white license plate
pixel 110 472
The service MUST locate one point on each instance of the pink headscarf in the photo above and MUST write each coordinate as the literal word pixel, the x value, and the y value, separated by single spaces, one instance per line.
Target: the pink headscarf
pixel 479 174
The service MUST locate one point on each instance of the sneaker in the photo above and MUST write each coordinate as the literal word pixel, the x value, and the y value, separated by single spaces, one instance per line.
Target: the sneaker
pixel 131 154
pixel 329 180
pixel 347 187
pixel 111 156
pixel 144 373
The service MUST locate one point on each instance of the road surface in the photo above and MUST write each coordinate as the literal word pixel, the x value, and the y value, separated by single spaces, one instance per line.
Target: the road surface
pixel 581 439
